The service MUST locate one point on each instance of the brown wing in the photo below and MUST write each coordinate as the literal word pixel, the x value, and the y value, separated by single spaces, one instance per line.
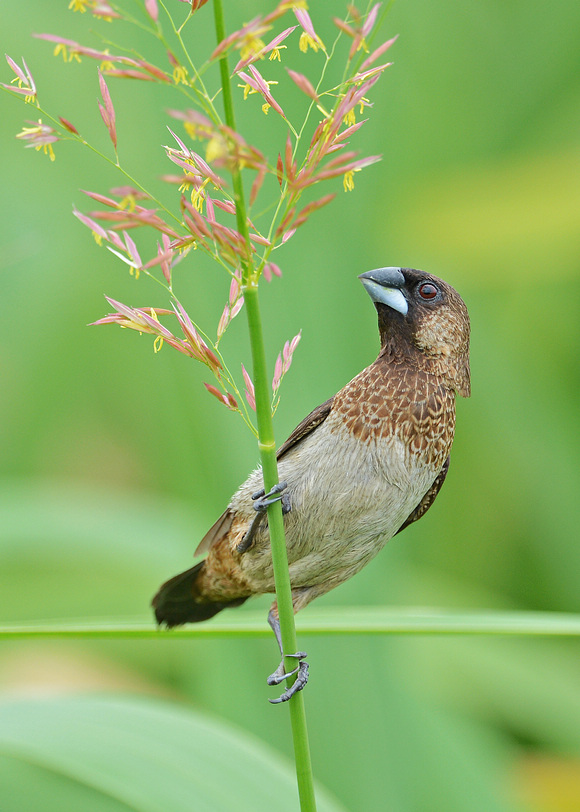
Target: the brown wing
pixel 216 531
pixel 428 499
pixel 225 521
pixel 314 419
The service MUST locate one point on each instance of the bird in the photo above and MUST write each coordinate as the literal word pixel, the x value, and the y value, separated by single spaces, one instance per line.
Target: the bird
pixel 359 469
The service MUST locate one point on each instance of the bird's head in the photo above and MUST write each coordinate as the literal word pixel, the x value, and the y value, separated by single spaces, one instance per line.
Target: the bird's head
pixel 422 320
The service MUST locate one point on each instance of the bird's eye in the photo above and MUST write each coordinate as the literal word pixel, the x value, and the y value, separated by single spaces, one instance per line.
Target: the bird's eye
pixel 428 291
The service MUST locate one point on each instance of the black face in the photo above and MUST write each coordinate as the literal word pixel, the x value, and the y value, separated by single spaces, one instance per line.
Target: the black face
pixel 422 317
pixel 436 314
pixel 422 289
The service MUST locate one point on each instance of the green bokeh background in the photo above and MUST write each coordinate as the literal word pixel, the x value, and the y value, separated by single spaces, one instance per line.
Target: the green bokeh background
pixel 115 460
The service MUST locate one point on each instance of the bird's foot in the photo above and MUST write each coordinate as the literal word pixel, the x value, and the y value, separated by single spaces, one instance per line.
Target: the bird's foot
pixel 263 500
pixel 280 674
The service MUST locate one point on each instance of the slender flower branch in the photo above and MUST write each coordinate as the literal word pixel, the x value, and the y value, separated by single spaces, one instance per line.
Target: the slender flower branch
pixel 201 93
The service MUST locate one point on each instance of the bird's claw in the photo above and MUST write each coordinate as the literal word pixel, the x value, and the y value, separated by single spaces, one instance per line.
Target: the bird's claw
pixel 263 500
pixel 280 674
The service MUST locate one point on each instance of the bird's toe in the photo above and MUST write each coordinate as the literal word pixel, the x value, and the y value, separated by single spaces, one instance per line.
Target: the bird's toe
pixel 263 500
pixel 280 674
pixel 299 683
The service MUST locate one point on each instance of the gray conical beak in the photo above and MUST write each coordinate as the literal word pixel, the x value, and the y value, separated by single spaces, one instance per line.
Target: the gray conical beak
pixel 383 285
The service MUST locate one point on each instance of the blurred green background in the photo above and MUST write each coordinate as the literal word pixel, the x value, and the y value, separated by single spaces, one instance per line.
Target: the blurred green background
pixel 115 460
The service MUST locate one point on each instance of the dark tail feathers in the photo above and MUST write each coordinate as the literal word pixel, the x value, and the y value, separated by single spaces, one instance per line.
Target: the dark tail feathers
pixel 178 601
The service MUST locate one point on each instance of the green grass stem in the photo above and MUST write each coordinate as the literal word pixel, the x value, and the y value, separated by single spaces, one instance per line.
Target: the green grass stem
pixel 335 621
pixel 267 449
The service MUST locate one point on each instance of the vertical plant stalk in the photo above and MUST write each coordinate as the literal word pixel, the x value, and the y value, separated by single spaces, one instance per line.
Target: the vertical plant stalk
pixel 267 449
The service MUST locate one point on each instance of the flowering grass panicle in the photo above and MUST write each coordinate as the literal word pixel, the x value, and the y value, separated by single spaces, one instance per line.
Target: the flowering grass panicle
pixel 316 150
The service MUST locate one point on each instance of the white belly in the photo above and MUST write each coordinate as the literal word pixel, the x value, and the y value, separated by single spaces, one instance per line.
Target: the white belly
pixel 344 505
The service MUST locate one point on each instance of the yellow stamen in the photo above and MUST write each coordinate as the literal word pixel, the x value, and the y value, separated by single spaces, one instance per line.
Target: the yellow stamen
pixel 307 42
pixel 158 343
pixel 60 48
pixel 265 108
pixel 349 119
pixel 252 45
pixel 249 91
pixel 197 200
pixel 27 99
pixel 198 196
pixel 134 272
pixel 80 5
pixel 348 181
pixel 27 130
pixel 216 148
pixel 180 75
pixel 293 4
pixel 128 203
pixel 98 238
pixel 275 54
